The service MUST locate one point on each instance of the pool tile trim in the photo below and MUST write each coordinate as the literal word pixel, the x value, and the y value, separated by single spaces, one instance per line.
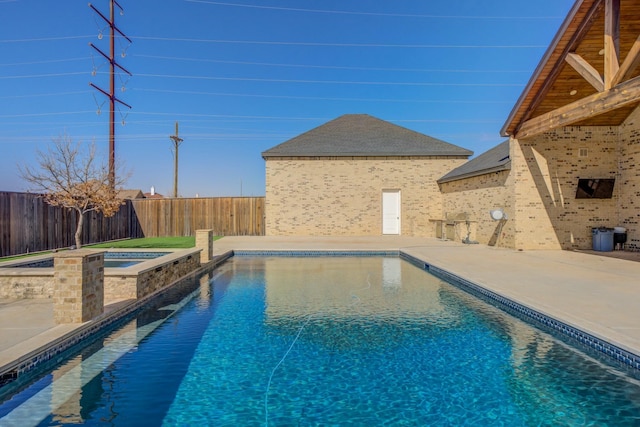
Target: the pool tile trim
pixel 570 334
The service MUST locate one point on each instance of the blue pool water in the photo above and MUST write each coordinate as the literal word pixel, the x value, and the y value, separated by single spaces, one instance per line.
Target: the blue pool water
pixel 325 341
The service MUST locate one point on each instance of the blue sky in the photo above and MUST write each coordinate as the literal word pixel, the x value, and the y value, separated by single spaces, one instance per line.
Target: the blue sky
pixel 241 76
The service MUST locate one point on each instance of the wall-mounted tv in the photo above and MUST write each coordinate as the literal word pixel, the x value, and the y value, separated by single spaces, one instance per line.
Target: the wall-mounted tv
pixel 601 188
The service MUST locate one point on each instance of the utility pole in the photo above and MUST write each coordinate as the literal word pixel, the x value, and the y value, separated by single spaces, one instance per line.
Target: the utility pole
pixel 111 94
pixel 176 143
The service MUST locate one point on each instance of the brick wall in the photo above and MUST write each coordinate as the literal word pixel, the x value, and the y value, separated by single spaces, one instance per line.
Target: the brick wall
pixel 140 283
pixel 629 179
pixel 343 196
pixel 476 196
pixel 546 169
pixel 538 194
pixel 30 285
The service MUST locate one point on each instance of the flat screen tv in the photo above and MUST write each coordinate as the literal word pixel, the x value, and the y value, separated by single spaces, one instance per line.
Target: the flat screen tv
pixel 601 188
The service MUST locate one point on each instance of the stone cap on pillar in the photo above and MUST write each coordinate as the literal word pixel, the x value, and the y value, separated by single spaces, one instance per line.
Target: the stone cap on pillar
pixel 77 253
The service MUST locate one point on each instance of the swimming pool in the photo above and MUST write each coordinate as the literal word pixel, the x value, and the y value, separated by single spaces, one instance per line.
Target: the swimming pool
pixel 325 341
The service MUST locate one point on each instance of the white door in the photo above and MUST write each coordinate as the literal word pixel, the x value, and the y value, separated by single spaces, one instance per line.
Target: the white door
pixel 391 212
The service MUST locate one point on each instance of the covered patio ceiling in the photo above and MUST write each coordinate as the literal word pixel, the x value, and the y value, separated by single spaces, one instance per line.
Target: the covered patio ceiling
pixel 590 74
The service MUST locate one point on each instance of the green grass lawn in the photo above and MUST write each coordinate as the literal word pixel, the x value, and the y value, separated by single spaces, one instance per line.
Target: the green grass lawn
pixel 150 242
pixel 143 243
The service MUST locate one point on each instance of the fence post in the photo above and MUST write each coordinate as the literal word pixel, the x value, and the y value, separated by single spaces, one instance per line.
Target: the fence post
pixel 204 241
pixel 78 288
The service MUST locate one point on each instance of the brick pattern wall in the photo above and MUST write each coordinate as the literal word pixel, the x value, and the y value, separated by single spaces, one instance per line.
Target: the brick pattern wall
pixel 546 172
pixel 629 179
pixel 158 278
pixel 476 196
pixel 343 196
pixel 142 283
pixel 120 287
pixel 26 286
pixel 78 294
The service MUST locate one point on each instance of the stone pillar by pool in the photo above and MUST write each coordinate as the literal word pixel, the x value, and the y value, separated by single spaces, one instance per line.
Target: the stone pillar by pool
pixel 204 241
pixel 78 288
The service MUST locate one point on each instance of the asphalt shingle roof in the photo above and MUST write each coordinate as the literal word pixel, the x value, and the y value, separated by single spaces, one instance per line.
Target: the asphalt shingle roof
pixel 363 135
pixel 495 160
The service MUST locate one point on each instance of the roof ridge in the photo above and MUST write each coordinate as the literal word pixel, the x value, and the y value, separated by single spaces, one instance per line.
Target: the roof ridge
pixel 363 135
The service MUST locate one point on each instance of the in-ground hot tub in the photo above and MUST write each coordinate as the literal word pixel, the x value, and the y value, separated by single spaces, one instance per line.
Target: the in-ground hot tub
pixel 112 259
pixel 128 274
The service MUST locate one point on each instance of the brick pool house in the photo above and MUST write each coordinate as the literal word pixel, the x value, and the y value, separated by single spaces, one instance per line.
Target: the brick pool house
pixel 357 176
pixel 571 162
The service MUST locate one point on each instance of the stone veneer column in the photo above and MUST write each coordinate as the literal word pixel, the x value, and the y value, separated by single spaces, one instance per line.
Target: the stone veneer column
pixel 204 241
pixel 78 289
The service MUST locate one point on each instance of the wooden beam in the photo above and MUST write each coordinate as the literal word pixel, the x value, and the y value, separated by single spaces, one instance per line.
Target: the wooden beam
pixel 611 41
pixel 629 65
pixel 586 70
pixel 586 22
pixel 591 106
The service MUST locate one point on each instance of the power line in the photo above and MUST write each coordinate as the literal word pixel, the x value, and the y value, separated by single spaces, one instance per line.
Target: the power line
pixel 291 43
pixel 45 39
pixel 38 95
pixel 359 45
pixel 49 61
pixel 156 113
pixel 331 67
pixel 346 12
pixel 323 98
pixel 256 117
pixel 37 76
pixel 58 113
pixel 249 79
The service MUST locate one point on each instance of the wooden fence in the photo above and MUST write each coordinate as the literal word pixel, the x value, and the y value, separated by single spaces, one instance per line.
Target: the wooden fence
pixel 227 216
pixel 28 224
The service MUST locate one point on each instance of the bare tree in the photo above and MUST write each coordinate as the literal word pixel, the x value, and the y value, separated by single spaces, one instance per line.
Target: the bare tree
pixel 71 177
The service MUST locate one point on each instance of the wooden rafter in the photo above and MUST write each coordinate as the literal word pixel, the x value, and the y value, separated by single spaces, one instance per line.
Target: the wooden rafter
pixel 611 41
pixel 631 62
pixel 623 94
pixel 597 49
pixel 586 70
pixel 578 36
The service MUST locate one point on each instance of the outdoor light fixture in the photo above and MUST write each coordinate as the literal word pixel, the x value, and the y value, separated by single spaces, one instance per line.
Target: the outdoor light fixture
pixel 573 92
pixel 497 214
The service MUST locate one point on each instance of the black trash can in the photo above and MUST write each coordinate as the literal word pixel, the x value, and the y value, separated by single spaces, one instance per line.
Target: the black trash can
pixel 619 238
pixel 602 239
